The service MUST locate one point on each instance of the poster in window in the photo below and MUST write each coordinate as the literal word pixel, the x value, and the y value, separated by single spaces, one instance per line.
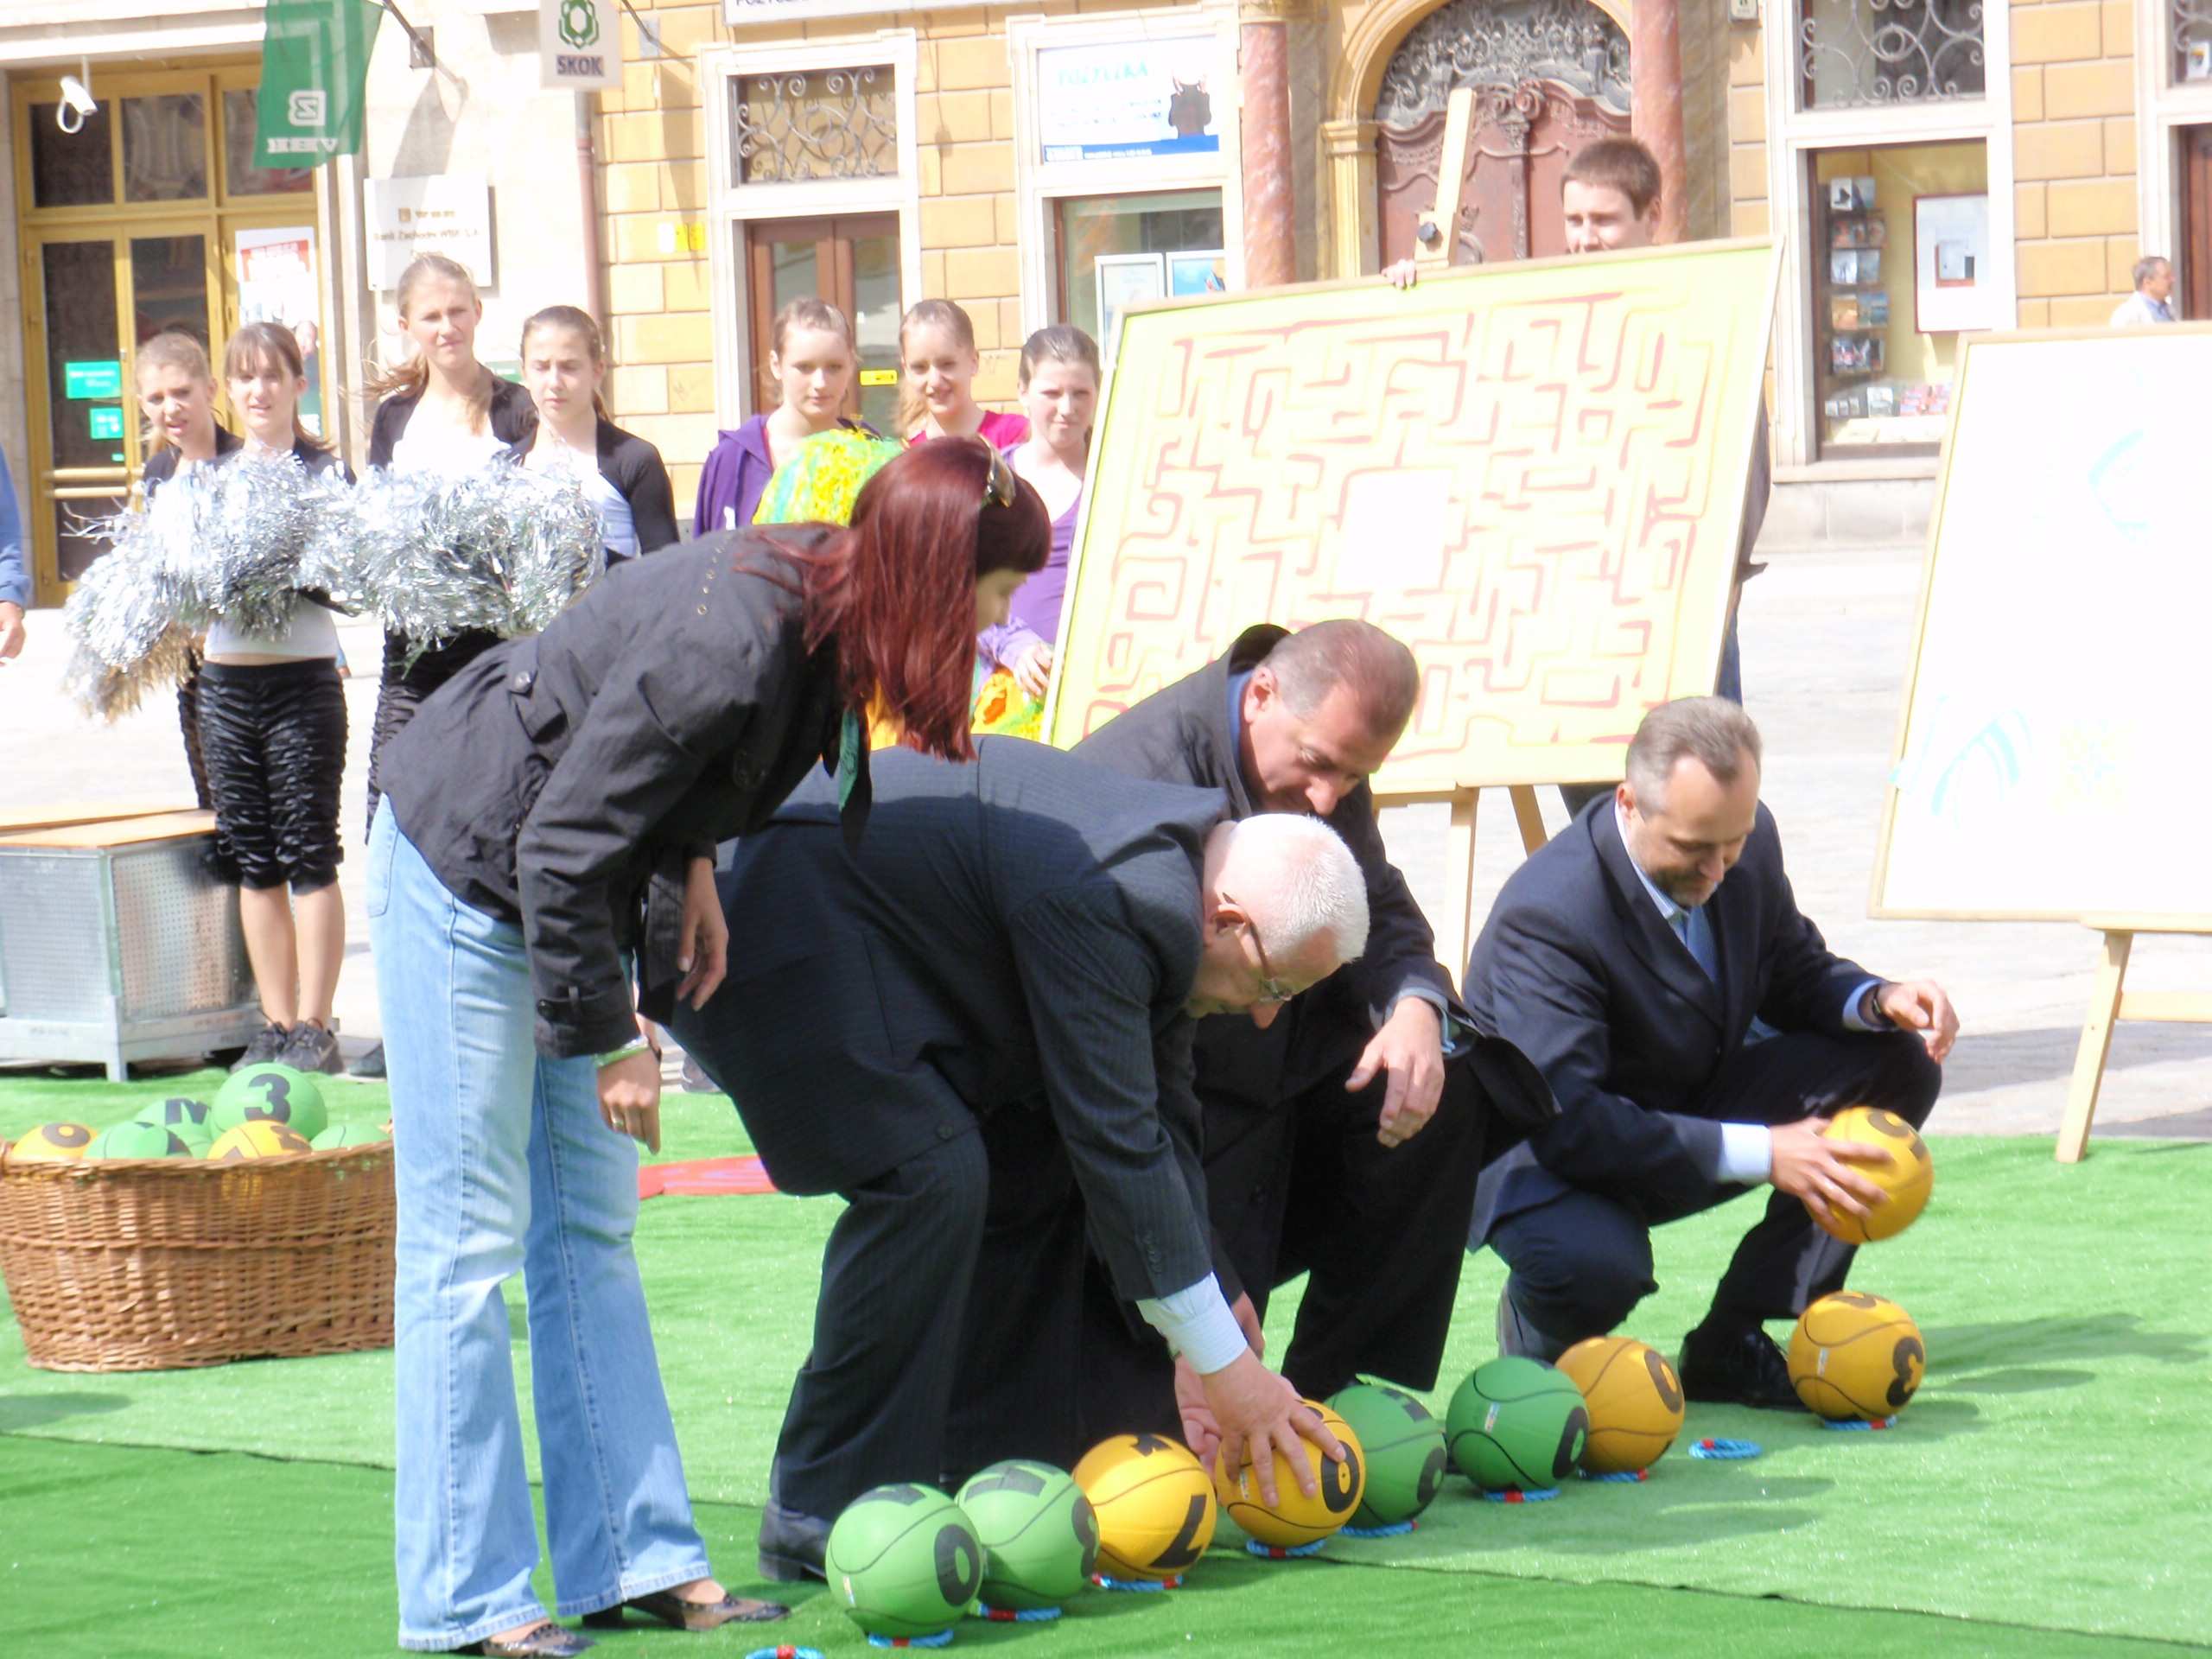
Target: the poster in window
pixel 1129 98
pixel 1198 271
pixel 1124 280
pixel 1953 286
pixel 276 283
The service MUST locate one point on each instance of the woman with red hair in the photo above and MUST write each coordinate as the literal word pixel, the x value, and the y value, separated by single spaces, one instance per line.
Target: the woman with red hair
pixel 546 841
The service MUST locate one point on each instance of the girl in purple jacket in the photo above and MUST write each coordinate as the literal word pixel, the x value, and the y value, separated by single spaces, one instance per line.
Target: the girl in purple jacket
pixel 812 361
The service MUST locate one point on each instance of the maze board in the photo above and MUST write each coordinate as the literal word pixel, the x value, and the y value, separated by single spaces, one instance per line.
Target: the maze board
pixel 1532 473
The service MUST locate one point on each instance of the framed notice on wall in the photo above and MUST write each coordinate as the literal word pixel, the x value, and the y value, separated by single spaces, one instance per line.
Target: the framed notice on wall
pixel 1954 284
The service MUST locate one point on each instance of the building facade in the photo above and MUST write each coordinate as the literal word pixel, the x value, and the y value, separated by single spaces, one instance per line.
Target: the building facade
pixel 1929 167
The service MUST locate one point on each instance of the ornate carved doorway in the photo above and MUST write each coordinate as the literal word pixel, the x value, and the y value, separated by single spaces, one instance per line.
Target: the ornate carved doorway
pixel 1549 76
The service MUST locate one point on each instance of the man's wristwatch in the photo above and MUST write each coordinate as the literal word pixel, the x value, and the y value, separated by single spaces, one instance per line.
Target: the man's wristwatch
pixel 1870 1006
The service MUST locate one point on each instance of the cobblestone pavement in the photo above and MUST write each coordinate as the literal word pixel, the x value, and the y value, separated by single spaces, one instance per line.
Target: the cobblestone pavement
pixel 1826 638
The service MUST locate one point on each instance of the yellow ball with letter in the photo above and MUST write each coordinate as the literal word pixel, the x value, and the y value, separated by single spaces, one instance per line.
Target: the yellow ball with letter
pixel 259 1138
pixel 1296 1519
pixel 1853 1355
pixel 52 1143
pixel 1156 1505
pixel 1635 1402
pixel 1908 1178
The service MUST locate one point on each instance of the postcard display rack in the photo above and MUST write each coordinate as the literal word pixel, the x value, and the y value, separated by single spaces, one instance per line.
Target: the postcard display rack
pixel 1853 363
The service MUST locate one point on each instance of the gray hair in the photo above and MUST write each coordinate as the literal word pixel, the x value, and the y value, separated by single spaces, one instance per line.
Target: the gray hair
pixel 2148 266
pixel 1713 731
pixel 1296 880
pixel 1378 671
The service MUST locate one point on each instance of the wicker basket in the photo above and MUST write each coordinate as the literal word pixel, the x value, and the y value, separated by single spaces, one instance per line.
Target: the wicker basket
pixel 158 1264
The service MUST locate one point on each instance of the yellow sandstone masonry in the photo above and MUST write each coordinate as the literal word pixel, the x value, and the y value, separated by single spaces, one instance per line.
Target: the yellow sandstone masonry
pixel 2073 149
pixel 2028 217
pixel 2071 90
pixel 676 337
pixel 2098 207
pixel 2058 33
pixel 2050 269
pixel 692 389
pixel 960 222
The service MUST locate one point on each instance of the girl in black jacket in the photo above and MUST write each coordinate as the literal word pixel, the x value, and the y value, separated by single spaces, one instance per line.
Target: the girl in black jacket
pixel 443 411
pixel 552 818
pixel 564 366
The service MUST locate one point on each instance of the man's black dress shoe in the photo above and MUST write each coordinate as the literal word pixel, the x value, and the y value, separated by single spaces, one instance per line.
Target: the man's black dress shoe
pixel 793 1544
pixel 545 1641
pixel 1736 1366
pixel 679 1614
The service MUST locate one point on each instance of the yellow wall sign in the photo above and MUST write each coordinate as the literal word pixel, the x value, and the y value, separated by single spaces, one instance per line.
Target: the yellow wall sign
pixel 1532 473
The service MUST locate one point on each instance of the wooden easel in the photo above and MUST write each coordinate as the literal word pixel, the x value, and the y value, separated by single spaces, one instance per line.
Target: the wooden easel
pixel 2109 1004
pixel 1456 926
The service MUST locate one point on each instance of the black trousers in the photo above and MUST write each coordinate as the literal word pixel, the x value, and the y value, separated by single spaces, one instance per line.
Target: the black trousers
pixel 1580 1262
pixel 274 739
pixel 187 721
pixel 1296 1182
pixel 952 1331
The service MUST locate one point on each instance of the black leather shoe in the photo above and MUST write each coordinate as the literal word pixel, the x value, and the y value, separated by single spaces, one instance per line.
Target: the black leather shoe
pixel 1738 1366
pixel 793 1544
pixel 545 1641
pixel 681 1615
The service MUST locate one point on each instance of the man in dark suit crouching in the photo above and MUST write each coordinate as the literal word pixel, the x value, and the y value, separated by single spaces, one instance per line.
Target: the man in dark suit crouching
pixel 1696 1030
pixel 975 1027
pixel 1342 1140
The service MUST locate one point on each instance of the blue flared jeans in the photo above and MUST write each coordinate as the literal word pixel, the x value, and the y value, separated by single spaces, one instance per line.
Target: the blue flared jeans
pixel 503 1165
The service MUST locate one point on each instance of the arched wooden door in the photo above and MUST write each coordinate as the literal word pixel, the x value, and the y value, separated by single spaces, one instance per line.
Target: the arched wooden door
pixel 1548 75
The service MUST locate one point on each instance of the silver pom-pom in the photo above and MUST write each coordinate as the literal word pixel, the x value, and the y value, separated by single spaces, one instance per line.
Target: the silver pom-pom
pixel 258 511
pixel 121 622
pixel 502 549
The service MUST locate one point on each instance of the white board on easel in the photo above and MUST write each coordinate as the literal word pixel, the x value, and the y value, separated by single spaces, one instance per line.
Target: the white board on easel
pixel 2049 760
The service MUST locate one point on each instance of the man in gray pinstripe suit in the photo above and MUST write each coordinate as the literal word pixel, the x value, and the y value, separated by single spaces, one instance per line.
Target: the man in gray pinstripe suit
pixel 977 1027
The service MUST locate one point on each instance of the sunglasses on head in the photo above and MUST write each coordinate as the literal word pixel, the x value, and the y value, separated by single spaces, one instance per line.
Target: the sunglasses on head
pixel 998 483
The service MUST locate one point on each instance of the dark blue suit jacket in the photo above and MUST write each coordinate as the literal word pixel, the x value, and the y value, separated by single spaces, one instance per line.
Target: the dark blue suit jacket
pixel 1017 934
pixel 1576 966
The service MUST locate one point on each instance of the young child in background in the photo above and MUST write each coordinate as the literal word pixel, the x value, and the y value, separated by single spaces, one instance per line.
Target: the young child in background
pixel 812 364
pixel 564 367
pixel 176 393
pixel 272 717
pixel 937 349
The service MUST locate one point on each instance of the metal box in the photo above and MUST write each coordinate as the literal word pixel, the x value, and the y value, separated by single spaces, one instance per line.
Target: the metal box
pixel 116 945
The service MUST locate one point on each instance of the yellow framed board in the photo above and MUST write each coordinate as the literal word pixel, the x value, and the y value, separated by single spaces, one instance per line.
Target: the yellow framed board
pixel 2055 712
pixel 1533 474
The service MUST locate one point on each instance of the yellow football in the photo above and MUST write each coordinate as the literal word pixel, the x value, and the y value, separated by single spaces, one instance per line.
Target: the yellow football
pixel 1908 1178
pixel 1853 1355
pixel 1156 1505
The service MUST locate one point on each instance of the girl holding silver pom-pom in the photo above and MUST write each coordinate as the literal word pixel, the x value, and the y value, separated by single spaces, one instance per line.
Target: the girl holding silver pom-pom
pixel 272 720
pixel 442 412
pixel 564 367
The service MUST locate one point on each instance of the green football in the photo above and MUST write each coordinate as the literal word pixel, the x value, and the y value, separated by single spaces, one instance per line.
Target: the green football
pixel 349 1134
pixel 904 1560
pixel 1038 1532
pixel 1404 1444
pixel 1517 1423
pixel 197 1137
pixel 175 1110
pixel 137 1140
pixel 275 1093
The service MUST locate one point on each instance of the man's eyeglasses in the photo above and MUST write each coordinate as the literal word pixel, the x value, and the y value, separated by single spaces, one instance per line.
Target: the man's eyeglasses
pixel 1273 992
pixel 998 483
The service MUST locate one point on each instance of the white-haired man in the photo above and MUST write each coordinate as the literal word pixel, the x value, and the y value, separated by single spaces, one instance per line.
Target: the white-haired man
pixel 977 1027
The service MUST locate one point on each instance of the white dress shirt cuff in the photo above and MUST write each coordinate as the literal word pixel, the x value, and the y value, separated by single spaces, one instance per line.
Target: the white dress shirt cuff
pixel 1746 1154
pixel 1198 1325
pixel 1853 1021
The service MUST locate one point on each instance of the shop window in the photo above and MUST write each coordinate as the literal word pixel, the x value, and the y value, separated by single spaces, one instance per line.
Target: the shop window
pixel 2192 37
pixel 812 124
pixel 1860 53
pixel 72 169
pixel 1902 263
pixel 240 177
pixel 165 148
pixel 1116 250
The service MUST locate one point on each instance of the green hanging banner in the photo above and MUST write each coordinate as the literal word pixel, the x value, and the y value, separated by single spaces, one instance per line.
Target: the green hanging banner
pixel 315 72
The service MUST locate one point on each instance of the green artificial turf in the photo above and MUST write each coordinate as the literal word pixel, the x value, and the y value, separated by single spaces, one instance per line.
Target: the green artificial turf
pixel 2051 1475
pixel 168 1553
